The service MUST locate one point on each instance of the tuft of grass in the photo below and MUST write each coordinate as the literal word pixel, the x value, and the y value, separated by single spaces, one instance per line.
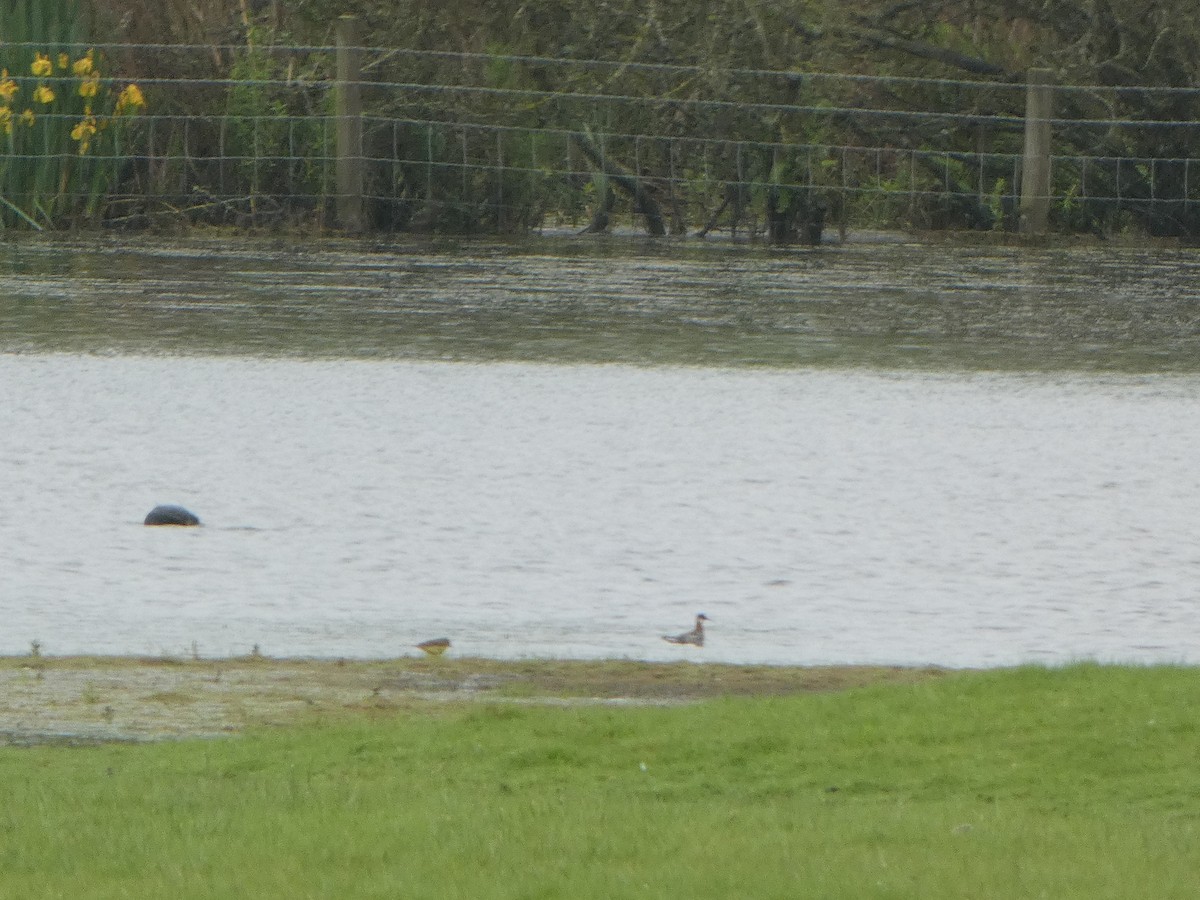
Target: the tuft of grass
pixel 91 694
pixel 171 698
pixel 1065 783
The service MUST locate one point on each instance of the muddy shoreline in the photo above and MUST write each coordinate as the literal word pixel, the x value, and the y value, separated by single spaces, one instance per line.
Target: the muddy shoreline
pixel 85 700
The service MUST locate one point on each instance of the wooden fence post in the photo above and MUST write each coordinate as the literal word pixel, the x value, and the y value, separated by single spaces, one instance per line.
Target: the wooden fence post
pixel 348 112
pixel 1035 165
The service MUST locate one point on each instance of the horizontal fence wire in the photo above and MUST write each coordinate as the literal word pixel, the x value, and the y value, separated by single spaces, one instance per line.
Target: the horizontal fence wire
pixel 384 54
pixel 467 141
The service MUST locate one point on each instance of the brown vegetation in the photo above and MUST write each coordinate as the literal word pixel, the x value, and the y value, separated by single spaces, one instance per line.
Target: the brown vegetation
pixel 1107 43
pixel 1101 42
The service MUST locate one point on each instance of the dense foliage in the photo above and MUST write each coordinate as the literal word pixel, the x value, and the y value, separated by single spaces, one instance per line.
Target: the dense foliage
pixel 759 149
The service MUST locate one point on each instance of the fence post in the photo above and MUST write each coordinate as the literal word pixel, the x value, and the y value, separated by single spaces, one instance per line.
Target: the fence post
pixel 348 113
pixel 1035 165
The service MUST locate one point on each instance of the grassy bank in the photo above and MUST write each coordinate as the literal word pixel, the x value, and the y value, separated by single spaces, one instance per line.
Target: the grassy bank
pixel 1079 782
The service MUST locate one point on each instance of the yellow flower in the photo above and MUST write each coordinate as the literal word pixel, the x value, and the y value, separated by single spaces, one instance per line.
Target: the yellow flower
pixel 42 66
pixel 5 120
pixel 8 87
pixel 63 60
pixel 130 99
pixel 27 117
pixel 83 65
pixel 85 129
pixel 89 87
pixel 43 94
pixel 83 133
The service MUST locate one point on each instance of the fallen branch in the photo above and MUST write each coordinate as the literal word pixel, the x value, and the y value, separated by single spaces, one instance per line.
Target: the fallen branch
pixel 626 181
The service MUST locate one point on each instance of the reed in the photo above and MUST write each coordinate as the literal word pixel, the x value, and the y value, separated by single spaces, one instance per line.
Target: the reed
pixel 65 125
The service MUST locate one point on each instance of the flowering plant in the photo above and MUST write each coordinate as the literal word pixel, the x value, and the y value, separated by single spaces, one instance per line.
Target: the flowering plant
pixel 63 134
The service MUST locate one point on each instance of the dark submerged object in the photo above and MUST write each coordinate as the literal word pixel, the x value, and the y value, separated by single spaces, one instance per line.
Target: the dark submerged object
pixel 171 515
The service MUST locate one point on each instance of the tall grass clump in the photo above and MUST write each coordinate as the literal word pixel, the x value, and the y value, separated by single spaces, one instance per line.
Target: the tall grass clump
pixel 65 125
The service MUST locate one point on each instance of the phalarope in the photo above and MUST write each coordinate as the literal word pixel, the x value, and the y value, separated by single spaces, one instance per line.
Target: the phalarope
pixel 695 636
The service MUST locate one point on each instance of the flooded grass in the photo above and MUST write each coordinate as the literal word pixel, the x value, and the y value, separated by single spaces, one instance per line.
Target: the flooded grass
pixel 126 698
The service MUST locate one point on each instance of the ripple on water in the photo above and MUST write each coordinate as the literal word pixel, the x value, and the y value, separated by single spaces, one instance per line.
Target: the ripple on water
pixel 833 476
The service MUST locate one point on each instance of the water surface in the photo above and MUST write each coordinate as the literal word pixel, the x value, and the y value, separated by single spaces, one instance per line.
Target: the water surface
pixel 885 453
pixel 882 305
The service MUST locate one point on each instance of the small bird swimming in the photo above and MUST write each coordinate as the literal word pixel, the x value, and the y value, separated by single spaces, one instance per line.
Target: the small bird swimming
pixel 435 647
pixel 695 636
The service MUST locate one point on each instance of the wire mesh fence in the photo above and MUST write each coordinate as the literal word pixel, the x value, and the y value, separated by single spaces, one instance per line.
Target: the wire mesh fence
pixel 484 143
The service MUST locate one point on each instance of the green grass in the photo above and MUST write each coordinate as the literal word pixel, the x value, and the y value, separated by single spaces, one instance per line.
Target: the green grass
pixel 1080 782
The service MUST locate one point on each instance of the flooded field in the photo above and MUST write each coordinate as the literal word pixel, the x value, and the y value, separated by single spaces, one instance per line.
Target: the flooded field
pixel 605 300
pixel 875 453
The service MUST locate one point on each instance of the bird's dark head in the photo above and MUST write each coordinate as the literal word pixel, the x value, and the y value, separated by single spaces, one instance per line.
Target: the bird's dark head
pixel 704 617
